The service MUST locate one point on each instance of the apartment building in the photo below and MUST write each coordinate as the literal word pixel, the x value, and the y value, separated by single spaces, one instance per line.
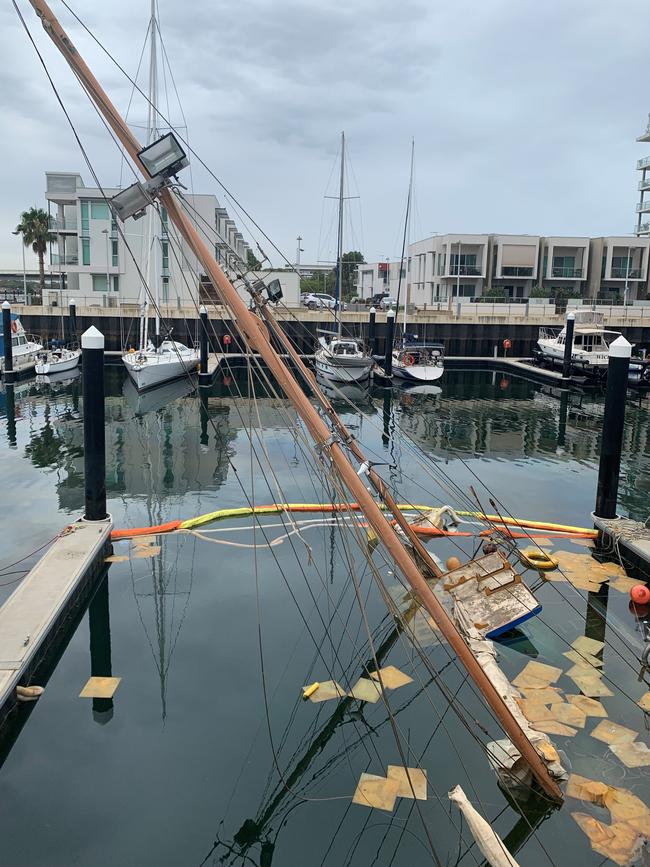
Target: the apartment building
pixel 95 258
pixel 643 206
pixel 620 267
pixel 464 266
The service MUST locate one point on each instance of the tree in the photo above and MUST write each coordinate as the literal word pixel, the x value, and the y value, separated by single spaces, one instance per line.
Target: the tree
pixel 349 262
pixel 34 226
pixel 252 261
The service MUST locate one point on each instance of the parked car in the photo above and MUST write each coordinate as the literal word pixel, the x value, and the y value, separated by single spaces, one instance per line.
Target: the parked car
pixel 313 300
pixel 376 299
pixel 387 302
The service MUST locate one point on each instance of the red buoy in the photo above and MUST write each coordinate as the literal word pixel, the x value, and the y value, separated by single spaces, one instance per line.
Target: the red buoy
pixel 640 594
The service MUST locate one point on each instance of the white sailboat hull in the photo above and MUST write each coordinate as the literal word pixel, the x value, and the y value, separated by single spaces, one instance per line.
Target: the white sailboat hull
pixel 343 369
pixel 418 372
pixel 151 368
pixel 58 362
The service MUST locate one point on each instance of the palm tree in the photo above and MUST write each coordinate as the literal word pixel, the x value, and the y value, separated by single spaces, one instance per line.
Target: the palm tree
pixel 34 226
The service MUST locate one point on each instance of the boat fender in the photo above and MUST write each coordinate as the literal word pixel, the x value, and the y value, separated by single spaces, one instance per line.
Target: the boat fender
pixel 29 693
pixel 538 560
pixel 310 690
pixel 14 327
pixel 131 350
pixel 408 360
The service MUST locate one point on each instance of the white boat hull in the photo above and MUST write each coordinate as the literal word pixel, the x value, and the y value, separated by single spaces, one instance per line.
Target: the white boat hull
pixel 151 368
pixel 418 372
pixel 55 364
pixel 341 368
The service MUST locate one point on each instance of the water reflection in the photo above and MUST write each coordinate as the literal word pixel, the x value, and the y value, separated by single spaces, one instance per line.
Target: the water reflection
pixel 99 623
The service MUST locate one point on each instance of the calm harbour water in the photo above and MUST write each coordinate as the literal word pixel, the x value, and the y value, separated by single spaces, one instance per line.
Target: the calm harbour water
pixel 207 754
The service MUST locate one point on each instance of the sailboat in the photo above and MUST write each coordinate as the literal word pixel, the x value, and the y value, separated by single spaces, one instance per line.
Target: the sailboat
pixel 342 359
pixel 414 360
pixel 58 359
pixel 333 443
pixel 155 361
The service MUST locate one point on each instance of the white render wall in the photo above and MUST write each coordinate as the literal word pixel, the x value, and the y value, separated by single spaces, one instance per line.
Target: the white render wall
pixel 138 259
pixel 432 276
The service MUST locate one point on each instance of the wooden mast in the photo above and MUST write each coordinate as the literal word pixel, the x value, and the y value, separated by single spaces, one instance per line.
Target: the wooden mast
pixel 256 336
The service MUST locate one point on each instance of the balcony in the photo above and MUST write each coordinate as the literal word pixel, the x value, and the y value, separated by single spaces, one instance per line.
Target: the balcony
pixel 622 273
pixel 642 207
pixel 644 163
pixel 516 271
pixel 644 184
pixel 59 224
pixel 71 259
pixel 642 229
pixel 465 271
pixel 568 273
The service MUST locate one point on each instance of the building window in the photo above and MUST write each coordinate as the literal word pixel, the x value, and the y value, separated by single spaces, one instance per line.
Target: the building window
pixel 165 255
pixel 100 283
pixel 467 263
pixel 116 283
pixel 85 251
pixel 115 261
pixel 165 290
pixel 85 227
pixel 99 211
pixel 465 290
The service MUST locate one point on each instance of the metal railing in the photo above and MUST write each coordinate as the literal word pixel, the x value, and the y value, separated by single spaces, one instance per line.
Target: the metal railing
pixel 561 271
pixel 59 224
pixel 642 227
pixel 643 206
pixel 644 163
pixel 466 270
pixel 516 271
pixel 58 259
pixel 622 273
pixel 644 184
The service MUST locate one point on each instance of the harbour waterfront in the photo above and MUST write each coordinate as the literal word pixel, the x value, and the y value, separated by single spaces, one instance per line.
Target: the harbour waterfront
pixel 183 770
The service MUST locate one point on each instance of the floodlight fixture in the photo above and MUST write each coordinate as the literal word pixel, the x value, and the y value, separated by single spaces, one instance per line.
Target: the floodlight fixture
pixel 163 158
pixel 131 202
pixel 274 291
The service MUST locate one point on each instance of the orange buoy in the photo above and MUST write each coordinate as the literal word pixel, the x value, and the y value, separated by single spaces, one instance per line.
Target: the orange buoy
pixel 453 563
pixel 640 594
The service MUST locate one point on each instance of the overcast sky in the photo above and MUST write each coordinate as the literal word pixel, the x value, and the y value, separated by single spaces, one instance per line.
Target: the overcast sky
pixel 524 114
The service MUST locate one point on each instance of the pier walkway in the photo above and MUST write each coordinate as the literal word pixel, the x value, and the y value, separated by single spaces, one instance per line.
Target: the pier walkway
pixel 31 616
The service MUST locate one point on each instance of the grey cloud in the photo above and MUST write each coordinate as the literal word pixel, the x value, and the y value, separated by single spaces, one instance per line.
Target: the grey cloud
pixel 524 114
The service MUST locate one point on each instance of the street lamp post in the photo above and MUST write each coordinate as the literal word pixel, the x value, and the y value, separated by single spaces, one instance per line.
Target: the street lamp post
pixel 108 276
pixel 22 247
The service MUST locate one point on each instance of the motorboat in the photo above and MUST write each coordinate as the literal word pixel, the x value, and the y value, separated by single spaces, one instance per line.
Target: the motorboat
pixel 60 360
pixel 152 366
pixel 343 359
pixel 590 349
pixel 23 346
pixel 419 362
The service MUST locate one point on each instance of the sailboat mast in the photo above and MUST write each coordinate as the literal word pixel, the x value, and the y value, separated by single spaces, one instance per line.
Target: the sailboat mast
pixel 339 245
pixel 259 340
pixel 152 135
pixel 405 239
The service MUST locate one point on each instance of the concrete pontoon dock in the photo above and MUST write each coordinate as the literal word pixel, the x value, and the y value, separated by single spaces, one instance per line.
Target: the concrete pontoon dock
pixel 30 619
pixel 631 540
